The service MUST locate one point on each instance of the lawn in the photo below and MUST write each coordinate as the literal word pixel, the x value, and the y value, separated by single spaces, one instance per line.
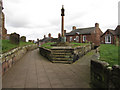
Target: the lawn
pixel 47 45
pixel 6 45
pixel 109 53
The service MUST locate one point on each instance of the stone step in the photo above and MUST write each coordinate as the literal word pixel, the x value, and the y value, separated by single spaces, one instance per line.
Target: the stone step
pixel 61 51
pixel 65 62
pixel 62 56
pixel 62 59
pixel 54 53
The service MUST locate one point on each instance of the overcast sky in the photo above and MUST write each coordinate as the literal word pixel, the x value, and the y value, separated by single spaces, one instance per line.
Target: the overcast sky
pixel 36 18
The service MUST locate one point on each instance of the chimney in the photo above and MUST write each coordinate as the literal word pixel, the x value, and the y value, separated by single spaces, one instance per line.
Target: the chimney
pixel 37 39
pixel 97 25
pixel 74 27
pixel 49 35
pixel 44 36
pixel 64 31
pixel 58 35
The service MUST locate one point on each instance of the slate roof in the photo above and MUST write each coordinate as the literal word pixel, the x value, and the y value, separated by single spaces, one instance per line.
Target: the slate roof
pixel 113 32
pixel 81 31
pixel 117 30
pixel 49 39
pixel 45 39
pixel 54 39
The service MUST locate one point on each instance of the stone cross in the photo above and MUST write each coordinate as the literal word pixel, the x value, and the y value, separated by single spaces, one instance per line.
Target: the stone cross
pixel 62 14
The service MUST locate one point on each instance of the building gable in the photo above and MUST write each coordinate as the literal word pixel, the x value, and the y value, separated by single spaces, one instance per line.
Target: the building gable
pixel 117 30
pixel 109 31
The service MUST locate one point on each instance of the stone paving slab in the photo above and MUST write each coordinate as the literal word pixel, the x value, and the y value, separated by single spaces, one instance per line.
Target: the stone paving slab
pixel 34 71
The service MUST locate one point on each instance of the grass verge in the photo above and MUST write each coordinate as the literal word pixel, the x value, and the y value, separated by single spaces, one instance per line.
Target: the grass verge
pixel 6 45
pixel 47 45
pixel 109 53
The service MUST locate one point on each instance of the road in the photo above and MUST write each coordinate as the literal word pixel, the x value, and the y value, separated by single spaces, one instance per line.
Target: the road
pixel 35 71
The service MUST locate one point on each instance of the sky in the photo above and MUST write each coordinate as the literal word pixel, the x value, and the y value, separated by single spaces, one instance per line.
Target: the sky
pixel 36 18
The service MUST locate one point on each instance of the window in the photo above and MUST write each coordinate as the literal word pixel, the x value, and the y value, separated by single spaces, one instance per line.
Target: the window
pixel 108 39
pixel 77 38
pixel 70 39
pixel 7 37
pixel 78 33
pixel 84 38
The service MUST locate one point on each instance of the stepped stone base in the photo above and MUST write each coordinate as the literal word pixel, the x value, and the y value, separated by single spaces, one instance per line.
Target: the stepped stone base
pixel 61 44
pixel 64 53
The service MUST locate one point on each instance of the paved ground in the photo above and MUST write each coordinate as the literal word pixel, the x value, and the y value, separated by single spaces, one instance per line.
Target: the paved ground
pixel 34 71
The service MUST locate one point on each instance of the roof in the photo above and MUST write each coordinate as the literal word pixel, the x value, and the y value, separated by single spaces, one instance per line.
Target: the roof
pixel 54 39
pixel 81 31
pixel 117 30
pixel 113 32
pixel 45 39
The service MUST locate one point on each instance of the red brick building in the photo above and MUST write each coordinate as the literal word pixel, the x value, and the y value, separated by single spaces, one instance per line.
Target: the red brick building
pixel 82 35
pixel 111 36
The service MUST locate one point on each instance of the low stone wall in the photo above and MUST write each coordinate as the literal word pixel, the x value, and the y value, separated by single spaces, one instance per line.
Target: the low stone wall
pixel 103 76
pixel 45 52
pixel 11 57
pixel 81 51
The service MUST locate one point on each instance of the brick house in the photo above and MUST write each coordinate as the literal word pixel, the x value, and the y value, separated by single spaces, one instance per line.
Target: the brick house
pixel 110 36
pixel 82 35
pixel 48 39
pixel 45 39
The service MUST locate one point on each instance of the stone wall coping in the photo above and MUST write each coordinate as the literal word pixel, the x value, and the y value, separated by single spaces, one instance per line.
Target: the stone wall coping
pixel 103 63
pixel 16 49
pixel 58 47
pixel 116 66
pixel 79 47
pixel 69 47
pixel 110 76
pixel 4 55
pixel 46 49
pixel 109 68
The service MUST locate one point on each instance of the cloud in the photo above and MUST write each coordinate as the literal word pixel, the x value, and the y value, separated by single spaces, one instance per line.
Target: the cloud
pixel 119 13
pixel 17 22
pixel 36 18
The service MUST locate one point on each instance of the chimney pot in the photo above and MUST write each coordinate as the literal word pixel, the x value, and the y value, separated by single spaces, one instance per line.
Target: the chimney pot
pixel 96 24
pixel 44 36
pixel 49 35
pixel 74 27
pixel 59 35
pixel 64 31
